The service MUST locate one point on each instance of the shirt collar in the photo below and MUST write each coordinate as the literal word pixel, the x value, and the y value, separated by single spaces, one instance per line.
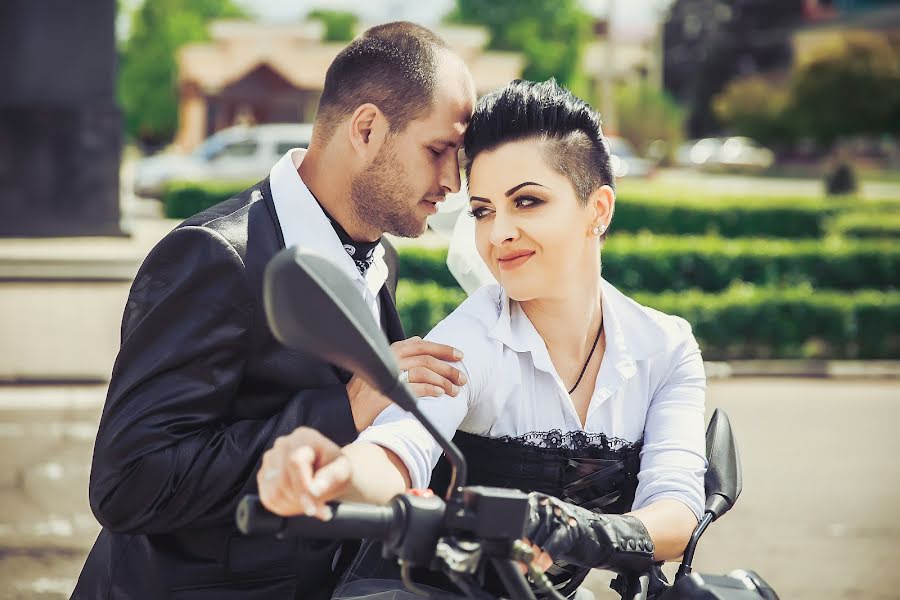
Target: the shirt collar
pixel 514 329
pixel 303 223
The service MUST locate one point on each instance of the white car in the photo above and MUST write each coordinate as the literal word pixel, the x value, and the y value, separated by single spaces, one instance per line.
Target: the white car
pixel 742 153
pixel 728 154
pixel 236 154
pixel 625 161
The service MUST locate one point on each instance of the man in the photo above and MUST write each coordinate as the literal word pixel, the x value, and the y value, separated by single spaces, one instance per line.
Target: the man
pixel 201 389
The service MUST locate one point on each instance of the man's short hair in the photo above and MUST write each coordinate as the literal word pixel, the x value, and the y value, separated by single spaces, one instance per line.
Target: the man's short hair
pixel 392 66
pixel 567 125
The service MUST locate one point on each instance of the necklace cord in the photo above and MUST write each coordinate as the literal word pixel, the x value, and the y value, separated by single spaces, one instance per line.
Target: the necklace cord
pixel 584 368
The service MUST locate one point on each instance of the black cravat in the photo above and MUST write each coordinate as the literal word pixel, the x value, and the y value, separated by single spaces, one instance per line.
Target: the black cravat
pixel 362 253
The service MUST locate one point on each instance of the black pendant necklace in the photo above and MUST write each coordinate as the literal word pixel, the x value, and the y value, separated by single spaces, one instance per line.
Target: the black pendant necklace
pixel 594 347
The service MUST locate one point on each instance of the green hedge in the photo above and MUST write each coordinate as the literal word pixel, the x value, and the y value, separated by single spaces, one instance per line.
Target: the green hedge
pixel 425 265
pixel 675 213
pixel 182 199
pixel 730 216
pixel 866 225
pixel 736 216
pixel 743 322
pixel 669 263
pixel 423 305
pixel 747 322
pixel 662 263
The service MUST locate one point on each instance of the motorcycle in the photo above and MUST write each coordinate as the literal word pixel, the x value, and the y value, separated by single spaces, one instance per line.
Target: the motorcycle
pixel 472 526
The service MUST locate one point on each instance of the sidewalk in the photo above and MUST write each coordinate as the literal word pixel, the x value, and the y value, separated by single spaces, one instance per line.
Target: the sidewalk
pixel 46 526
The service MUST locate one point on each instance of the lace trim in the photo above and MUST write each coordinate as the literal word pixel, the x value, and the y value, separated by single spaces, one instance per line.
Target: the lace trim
pixel 571 440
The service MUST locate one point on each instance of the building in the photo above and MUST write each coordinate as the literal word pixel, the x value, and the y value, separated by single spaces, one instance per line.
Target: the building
pixel 830 25
pixel 252 72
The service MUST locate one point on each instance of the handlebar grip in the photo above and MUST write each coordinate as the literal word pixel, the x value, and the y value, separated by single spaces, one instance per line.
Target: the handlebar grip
pixel 350 521
pixel 253 518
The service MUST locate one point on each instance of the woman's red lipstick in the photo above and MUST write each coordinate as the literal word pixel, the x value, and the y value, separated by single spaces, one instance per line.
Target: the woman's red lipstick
pixel 514 259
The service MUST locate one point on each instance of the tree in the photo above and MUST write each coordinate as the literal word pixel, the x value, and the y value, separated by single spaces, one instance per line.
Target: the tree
pixel 148 74
pixel 851 91
pixel 340 26
pixel 551 34
pixel 755 106
pixel 646 114
pixel 711 42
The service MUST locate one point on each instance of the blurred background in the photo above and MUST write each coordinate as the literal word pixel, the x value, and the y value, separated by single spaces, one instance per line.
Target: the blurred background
pixel 756 145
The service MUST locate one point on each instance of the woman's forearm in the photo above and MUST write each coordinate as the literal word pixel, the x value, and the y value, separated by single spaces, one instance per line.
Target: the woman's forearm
pixel 377 474
pixel 670 524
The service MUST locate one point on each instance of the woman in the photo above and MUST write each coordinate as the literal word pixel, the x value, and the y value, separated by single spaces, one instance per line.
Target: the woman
pixel 574 389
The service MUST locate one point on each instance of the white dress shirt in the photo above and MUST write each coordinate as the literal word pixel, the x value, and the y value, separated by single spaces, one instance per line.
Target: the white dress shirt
pixel 651 386
pixel 304 223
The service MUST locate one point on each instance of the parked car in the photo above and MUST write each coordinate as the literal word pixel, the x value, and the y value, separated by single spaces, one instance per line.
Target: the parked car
pixel 698 153
pixel 625 161
pixel 725 154
pixel 235 154
pixel 743 153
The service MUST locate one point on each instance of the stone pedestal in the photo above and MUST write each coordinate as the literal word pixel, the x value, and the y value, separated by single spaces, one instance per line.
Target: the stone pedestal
pixel 60 129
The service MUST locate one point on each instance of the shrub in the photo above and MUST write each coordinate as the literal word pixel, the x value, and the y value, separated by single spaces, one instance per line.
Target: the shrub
pixel 183 199
pixel 669 263
pixel 728 216
pixel 423 305
pixel 743 322
pixel 867 224
pixel 747 322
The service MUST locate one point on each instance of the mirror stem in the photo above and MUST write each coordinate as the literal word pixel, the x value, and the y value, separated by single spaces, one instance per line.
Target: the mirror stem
pixel 687 559
pixel 402 397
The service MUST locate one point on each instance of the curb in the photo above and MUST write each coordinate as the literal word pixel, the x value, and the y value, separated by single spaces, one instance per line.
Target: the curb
pixel 89 394
pixel 850 369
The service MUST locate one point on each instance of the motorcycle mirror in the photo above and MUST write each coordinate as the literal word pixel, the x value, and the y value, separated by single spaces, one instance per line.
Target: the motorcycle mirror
pixel 723 476
pixel 334 324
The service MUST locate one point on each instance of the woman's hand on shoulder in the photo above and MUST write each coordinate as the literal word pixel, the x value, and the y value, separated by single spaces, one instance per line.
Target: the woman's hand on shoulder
pixel 428 371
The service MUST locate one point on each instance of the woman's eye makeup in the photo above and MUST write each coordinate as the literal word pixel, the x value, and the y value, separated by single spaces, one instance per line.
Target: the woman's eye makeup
pixel 479 212
pixel 527 201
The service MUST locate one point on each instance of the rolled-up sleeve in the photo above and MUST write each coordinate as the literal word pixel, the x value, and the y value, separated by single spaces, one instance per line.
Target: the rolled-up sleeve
pixel 398 431
pixel 673 457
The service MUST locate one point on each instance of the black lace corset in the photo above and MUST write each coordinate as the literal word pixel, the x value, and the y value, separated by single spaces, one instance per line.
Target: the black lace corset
pixel 587 469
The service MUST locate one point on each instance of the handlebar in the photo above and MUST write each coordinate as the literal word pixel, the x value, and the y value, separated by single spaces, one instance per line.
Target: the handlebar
pixel 350 521
pixel 411 527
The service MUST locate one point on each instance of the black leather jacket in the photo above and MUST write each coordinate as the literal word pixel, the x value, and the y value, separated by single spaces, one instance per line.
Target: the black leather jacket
pixel 200 389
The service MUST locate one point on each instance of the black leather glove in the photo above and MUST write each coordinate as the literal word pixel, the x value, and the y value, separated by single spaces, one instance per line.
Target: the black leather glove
pixel 576 535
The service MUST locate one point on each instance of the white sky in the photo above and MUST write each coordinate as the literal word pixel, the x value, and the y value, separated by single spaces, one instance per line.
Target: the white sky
pixel 630 16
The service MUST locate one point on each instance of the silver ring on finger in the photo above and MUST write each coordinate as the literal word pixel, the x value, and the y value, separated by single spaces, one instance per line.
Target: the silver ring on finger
pixel 404 376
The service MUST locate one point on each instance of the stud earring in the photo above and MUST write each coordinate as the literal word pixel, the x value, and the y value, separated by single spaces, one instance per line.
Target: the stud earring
pixel 598 230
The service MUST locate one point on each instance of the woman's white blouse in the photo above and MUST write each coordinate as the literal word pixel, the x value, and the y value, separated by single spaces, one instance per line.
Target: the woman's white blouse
pixel 651 386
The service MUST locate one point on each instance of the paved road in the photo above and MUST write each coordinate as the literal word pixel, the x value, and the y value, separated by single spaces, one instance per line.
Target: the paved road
pixel 750 185
pixel 819 517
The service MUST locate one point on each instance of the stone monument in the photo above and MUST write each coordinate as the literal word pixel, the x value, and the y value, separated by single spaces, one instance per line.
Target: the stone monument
pixel 60 128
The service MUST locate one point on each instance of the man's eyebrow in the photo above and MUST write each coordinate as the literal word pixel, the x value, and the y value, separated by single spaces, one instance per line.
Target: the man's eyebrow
pixel 513 190
pixel 449 143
